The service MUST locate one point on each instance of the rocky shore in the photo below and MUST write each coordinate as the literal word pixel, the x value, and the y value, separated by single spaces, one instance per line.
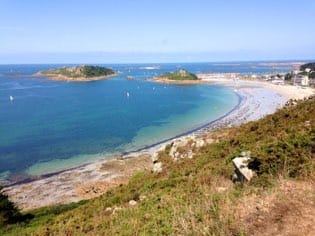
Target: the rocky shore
pixel 169 81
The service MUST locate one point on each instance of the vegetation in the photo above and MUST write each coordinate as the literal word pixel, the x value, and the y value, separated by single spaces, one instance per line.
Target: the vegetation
pixel 9 214
pixel 80 71
pixel 180 75
pixel 308 65
pixel 185 199
pixel 303 72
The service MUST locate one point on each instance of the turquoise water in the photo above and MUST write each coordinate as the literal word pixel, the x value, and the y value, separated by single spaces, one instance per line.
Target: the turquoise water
pixel 51 126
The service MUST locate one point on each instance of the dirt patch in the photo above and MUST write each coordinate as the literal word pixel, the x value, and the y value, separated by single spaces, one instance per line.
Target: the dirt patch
pixel 288 210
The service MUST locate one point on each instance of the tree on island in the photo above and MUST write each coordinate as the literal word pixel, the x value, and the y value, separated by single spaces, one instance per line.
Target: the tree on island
pixel 180 75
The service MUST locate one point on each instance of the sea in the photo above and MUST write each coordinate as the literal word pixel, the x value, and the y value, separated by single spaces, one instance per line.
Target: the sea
pixel 48 126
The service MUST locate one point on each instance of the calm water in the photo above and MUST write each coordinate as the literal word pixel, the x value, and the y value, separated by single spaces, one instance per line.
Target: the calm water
pixel 51 126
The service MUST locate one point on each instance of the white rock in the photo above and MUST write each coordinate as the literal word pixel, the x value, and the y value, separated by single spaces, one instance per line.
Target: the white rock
pixel 155 157
pixel 176 155
pixel 172 151
pixel 200 143
pixel 108 210
pixel 157 167
pixel 190 154
pixel 241 169
pixel 132 203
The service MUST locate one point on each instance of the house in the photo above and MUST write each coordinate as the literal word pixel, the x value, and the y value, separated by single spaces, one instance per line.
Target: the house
pixel 305 81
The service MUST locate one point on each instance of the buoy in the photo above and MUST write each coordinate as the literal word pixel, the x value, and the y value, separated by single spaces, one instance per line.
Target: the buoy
pixel 128 94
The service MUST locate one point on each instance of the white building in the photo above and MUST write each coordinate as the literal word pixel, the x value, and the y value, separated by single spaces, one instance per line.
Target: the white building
pixel 305 81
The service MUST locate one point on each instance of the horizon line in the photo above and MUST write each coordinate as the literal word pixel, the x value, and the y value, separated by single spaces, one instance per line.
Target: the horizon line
pixel 174 62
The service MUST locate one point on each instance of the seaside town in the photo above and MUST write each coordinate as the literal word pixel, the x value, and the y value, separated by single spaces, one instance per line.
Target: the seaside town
pixel 303 75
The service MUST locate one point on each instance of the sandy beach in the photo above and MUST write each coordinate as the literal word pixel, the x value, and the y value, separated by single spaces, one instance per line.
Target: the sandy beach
pixel 257 100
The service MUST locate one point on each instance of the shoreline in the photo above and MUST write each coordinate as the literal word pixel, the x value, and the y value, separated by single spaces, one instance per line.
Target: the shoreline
pixel 190 132
pixel 179 82
pixel 256 99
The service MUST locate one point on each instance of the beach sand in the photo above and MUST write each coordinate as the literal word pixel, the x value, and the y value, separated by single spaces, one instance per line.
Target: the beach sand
pixel 91 180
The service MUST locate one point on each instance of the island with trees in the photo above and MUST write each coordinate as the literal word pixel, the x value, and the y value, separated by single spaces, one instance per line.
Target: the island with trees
pixel 179 77
pixel 82 73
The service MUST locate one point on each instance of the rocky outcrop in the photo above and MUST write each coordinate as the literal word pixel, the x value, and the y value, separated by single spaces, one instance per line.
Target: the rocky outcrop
pixel 181 148
pixel 242 170
pixel 186 146
pixel 157 167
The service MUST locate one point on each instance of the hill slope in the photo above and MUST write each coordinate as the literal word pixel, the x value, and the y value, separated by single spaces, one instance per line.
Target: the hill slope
pixel 196 196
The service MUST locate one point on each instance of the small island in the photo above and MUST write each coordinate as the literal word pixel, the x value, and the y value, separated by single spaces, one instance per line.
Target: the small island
pixel 82 73
pixel 179 77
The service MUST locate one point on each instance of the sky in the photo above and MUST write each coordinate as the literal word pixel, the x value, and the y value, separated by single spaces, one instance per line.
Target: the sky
pixel 134 31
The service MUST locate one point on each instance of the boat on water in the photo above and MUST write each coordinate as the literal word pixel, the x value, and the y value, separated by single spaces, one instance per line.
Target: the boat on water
pixel 129 77
pixel 149 68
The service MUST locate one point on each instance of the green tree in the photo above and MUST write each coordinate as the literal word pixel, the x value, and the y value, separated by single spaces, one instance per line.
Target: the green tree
pixel 9 213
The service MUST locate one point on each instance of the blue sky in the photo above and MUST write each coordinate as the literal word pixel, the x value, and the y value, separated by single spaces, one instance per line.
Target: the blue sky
pixel 95 31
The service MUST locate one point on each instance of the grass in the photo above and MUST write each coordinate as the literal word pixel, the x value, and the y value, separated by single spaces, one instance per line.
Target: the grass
pixel 193 196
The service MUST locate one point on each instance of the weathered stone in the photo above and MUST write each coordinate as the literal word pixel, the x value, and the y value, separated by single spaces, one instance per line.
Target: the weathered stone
pixel 132 203
pixel 108 211
pixel 155 157
pixel 179 143
pixel 200 143
pixel 176 155
pixel 190 154
pixel 157 167
pixel 307 123
pixel 241 169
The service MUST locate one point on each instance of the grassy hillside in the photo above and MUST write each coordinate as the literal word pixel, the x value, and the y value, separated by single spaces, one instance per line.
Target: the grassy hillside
pixel 179 75
pixel 196 196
